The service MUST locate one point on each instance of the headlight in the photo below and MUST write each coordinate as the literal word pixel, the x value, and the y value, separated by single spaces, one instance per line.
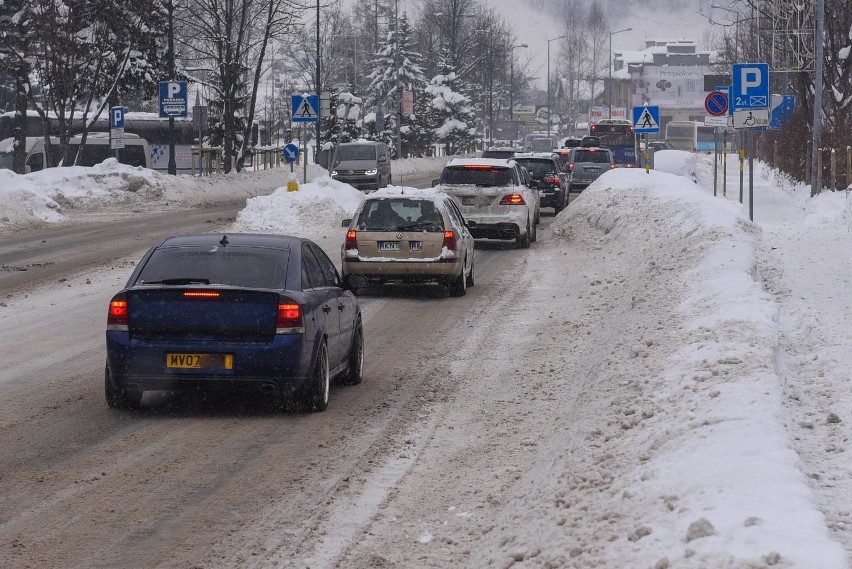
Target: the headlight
pixel 372 172
pixel 334 172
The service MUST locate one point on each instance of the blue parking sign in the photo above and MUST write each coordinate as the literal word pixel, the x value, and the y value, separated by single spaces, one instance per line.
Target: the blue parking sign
pixel 750 86
pixel 116 117
pixel 174 99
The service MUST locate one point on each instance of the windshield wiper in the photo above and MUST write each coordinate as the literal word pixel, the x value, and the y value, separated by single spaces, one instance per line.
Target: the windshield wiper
pixel 183 281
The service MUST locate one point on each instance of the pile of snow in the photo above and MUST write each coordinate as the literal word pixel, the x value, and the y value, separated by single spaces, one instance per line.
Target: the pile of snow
pixel 678 162
pixel 319 204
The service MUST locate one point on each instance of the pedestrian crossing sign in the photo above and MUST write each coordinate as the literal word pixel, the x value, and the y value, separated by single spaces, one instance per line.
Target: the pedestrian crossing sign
pixel 646 119
pixel 305 108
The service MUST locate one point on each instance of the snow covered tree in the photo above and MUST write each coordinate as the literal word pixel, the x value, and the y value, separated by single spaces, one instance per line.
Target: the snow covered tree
pixel 15 33
pixel 82 54
pixel 396 68
pixel 452 114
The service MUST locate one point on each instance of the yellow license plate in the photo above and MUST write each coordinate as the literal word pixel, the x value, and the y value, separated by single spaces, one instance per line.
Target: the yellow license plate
pixel 200 361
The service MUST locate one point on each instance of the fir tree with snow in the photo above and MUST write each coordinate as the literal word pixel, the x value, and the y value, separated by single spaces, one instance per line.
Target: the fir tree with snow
pixel 451 112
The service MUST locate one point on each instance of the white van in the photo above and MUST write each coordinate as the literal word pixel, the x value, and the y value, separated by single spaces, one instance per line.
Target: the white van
pixel 136 151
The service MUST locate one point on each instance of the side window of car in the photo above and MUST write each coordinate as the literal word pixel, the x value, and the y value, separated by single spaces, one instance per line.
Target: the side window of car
pixel 453 213
pixel 329 272
pixel 311 270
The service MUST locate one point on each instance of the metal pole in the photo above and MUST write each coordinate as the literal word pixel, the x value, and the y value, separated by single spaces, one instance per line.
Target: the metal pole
pixel 818 71
pixel 609 114
pixel 172 161
pixel 491 94
pixel 319 95
pixel 725 163
pixel 742 162
pixel 833 162
pixel 548 87
pixel 715 158
pixel 751 174
pixel 397 63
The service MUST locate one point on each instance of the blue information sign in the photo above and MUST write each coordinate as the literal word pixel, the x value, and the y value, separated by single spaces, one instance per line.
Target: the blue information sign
pixel 646 119
pixel 750 86
pixel 174 99
pixel 290 152
pixel 116 117
pixel 305 108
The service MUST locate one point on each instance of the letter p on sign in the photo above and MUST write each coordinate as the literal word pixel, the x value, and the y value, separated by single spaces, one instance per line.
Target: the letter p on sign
pixel 174 89
pixel 749 78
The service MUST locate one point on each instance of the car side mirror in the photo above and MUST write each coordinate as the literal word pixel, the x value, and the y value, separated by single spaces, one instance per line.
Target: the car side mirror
pixel 354 282
pixel 28 169
pixel 435 182
pixel 470 223
pixel 346 223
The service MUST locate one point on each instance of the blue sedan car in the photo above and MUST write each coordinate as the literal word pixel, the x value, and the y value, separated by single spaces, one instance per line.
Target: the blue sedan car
pixel 269 312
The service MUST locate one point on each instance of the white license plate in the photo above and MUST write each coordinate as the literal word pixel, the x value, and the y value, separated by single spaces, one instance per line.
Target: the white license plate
pixel 415 245
pixel 593 170
pixel 388 245
pixel 467 201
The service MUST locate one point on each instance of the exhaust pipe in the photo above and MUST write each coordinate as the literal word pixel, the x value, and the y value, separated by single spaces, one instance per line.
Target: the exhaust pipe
pixel 268 389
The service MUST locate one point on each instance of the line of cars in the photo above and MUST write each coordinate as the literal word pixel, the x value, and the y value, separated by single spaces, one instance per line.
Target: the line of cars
pixel 272 314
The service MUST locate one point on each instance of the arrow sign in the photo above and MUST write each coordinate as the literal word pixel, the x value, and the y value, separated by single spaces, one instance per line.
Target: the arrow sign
pixel 290 152
pixel 716 104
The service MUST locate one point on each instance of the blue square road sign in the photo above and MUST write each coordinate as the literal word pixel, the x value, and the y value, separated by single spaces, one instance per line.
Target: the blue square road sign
pixel 750 86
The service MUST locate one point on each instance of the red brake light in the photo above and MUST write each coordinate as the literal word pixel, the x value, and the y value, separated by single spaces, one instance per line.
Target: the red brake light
pixel 351 240
pixel 117 317
pixel 570 166
pixel 611 166
pixel 477 167
pixel 513 199
pixel 289 320
pixel 552 180
pixel 201 294
pixel 450 240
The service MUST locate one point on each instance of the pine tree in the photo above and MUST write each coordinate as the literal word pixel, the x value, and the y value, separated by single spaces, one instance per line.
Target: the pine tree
pixel 453 118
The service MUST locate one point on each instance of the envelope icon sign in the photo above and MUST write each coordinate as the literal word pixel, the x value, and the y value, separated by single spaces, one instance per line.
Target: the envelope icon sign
pixel 758 101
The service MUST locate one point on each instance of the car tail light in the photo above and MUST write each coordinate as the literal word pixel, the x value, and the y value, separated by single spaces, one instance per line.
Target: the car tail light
pixel 513 199
pixel 450 240
pixel 612 166
pixel 117 317
pixel 351 240
pixel 571 167
pixel 552 180
pixel 289 320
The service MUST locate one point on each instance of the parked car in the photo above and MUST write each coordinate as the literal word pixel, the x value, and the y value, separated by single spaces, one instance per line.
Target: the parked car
pixel 590 141
pixel 656 145
pixel 493 198
pixel 264 312
pixel 401 235
pixel 500 152
pixel 364 165
pixel 572 142
pixel 587 164
pixel 547 177
pixel 136 151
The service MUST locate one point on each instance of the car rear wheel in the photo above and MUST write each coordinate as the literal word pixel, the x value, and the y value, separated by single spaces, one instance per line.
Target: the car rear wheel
pixel 315 397
pixel 534 236
pixel 523 241
pixel 470 281
pixel 120 398
pixel 355 374
pixel 458 287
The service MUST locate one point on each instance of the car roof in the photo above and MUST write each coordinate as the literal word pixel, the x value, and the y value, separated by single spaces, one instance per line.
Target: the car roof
pixel 268 240
pixel 392 192
pixel 545 155
pixel 496 162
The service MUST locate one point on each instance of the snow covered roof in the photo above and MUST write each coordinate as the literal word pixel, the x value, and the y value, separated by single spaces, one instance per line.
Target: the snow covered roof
pixel 497 162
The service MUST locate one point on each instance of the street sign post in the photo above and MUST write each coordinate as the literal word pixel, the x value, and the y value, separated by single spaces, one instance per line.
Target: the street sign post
pixel 291 154
pixel 781 109
pixel 305 108
pixel 116 128
pixel 753 118
pixel 716 104
pixel 646 119
pixel 174 100
pixel 750 86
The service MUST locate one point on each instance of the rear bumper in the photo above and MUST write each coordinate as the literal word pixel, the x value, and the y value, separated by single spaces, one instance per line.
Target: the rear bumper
pixel 411 271
pixel 283 364
pixel 550 197
pixel 504 231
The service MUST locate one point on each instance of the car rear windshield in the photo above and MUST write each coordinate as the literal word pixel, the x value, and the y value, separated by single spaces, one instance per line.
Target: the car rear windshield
pixel 356 152
pixel 538 167
pixel 400 214
pixel 476 175
pixel 498 153
pixel 250 267
pixel 592 156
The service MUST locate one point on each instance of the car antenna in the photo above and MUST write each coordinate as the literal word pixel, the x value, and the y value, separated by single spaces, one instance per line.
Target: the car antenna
pixel 224 241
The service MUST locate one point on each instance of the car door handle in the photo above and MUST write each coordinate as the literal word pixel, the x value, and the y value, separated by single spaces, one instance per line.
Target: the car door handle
pixel 341 307
pixel 326 308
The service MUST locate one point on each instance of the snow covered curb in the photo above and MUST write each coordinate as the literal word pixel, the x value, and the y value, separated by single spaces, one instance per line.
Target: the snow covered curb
pixel 717 484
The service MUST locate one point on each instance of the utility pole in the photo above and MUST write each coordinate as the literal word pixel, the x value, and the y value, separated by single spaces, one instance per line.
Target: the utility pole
pixel 397 62
pixel 319 94
pixel 818 70
pixel 172 161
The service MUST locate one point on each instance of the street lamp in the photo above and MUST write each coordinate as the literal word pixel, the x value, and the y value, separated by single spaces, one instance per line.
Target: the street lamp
pixel 512 78
pixel 736 29
pixel 612 64
pixel 549 113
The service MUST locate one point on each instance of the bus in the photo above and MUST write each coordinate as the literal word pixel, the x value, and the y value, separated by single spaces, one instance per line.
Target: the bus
pixel 146 125
pixel 617 135
pixel 691 136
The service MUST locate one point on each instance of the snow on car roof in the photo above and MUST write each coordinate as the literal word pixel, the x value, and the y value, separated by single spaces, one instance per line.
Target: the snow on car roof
pixel 498 162
pixel 407 192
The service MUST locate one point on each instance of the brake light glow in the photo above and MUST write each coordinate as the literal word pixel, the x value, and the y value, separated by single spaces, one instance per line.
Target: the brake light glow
pixel 351 240
pixel 201 294
pixel 117 317
pixel 450 240
pixel 612 166
pixel 571 167
pixel 513 199
pixel 552 180
pixel 289 320
pixel 480 167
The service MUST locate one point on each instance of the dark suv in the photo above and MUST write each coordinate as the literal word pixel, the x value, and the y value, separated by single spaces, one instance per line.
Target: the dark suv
pixel 501 152
pixel 547 177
